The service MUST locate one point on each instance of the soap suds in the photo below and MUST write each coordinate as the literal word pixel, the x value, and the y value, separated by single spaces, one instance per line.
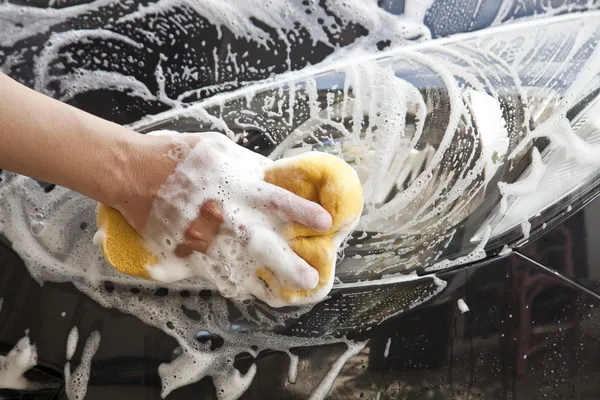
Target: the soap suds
pixel 99 237
pixel 386 352
pixel 462 306
pixel 76 381
pixel 526 229
pixel 527 184
pixel 13 366
pixel 72 340
pixel 293 367
pixel 323 388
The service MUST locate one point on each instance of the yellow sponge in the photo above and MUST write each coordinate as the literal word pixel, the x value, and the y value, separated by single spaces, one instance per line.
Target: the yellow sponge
pixel 122 246
pixel 318 177
pixel 331 182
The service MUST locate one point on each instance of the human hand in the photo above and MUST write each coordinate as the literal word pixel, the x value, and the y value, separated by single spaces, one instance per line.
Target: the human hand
pixel 201 202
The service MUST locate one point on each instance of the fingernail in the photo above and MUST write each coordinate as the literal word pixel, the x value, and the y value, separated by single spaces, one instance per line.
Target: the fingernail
pixel 323 221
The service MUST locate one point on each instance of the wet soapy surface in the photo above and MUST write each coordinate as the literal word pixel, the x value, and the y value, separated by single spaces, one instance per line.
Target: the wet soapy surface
pixel 44 227
pixel 218 170
pixel 254 233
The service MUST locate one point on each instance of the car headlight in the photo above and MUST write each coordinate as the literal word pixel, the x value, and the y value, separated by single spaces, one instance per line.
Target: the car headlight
pixel 462 147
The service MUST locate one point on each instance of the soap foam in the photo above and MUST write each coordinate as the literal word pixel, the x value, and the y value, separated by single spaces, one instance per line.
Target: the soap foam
pixel 72 342
pixel 326 383
pixel 462 306
pixel 386 351
pixel 76 382
pixel 527 184
pixel 293 367
pixel 506 250
pixel 526 229
pixel 13 366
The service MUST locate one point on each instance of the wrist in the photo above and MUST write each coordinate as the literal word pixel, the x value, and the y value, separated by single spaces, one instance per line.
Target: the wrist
pixel 113 174
pixel 141 164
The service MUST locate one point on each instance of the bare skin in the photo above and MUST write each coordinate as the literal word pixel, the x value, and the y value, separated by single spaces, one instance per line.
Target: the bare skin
pixel 51 141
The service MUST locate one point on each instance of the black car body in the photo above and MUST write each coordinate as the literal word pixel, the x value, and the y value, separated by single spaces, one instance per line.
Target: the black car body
pixel 504 324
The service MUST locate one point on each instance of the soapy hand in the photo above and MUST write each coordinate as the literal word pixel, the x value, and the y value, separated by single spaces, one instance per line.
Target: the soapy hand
pixel 202 193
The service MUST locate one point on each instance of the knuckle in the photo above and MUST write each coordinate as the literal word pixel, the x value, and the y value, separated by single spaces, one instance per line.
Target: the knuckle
pixel 212 209
pixel 183 251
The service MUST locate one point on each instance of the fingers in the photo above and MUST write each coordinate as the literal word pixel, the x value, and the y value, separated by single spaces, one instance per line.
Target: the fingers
pixel 296 208
pixel 203 230
pixel 266 246
pixel 271 250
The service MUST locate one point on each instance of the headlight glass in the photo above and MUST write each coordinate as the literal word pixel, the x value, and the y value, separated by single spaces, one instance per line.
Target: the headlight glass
pixel 461 144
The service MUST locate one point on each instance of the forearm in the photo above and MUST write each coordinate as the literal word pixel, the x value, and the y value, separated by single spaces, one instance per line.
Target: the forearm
pixel 54 142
